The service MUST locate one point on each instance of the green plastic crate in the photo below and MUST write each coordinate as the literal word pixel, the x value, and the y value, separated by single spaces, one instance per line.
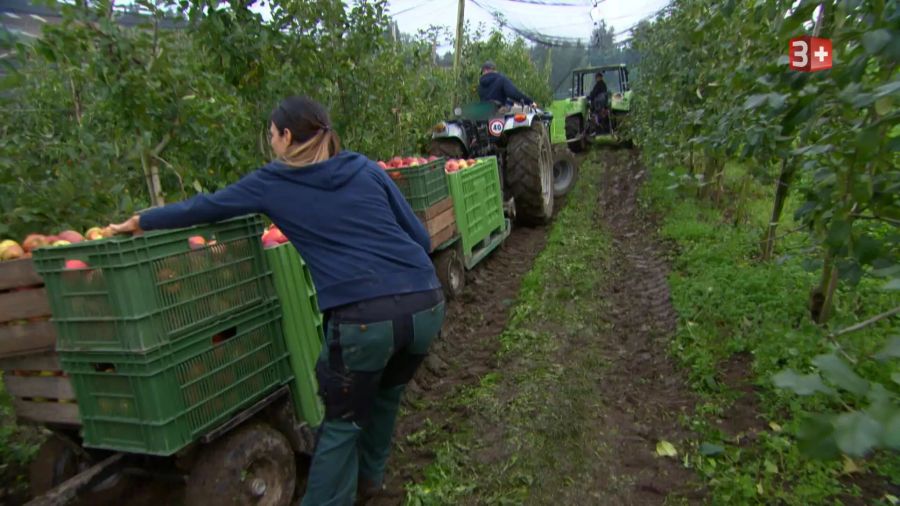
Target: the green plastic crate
pixel 159 402
pixel 302 325
pixel 422 185
pixel 142 292
pixel 477 202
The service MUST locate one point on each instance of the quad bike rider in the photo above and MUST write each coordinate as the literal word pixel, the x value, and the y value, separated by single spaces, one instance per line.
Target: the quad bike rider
pixel 519 135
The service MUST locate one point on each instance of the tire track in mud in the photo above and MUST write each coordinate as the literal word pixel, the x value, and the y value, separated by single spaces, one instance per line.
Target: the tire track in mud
pixel 643 392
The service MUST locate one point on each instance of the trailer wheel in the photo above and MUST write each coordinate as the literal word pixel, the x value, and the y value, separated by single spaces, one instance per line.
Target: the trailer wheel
pixel 56 461
pixel 451 272
pixel 254 465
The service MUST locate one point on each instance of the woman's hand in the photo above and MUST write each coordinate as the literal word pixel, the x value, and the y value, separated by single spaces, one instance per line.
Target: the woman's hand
pixel 130 226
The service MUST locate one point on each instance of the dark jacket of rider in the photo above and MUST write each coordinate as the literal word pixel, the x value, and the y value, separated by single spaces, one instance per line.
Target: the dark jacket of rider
pixel 496 86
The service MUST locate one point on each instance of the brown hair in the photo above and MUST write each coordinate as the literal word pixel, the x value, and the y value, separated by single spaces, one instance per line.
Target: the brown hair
pixel 313 138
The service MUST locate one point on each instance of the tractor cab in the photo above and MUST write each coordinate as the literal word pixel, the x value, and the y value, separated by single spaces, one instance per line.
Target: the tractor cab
pixel 616 78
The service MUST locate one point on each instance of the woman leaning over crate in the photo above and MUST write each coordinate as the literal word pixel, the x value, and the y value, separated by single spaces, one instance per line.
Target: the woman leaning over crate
pixel 377 288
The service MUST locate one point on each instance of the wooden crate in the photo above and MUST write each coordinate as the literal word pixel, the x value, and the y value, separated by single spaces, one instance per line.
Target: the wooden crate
pixel 31 372
pixel 440 221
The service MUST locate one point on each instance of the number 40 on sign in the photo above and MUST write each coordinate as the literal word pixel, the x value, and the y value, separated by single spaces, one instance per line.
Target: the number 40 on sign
pixel 809 54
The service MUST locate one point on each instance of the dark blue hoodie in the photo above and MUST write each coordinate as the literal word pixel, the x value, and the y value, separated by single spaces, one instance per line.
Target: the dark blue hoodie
pixel 496 86
pixel 345 215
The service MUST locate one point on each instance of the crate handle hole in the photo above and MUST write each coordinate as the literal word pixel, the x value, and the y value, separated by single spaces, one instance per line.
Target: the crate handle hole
pixel 104 367
pixel 225 335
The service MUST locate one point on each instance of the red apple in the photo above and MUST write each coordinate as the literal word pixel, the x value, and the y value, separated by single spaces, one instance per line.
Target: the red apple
pixel 196 241
pixel 34 241
pixel 409 160
pixel 462 164
pixel 432 158
pixel 71 236
pixel 52 239
pixel 75 264
pixel 382 164
pixel 269 243
pixel 275 235
pixel 451 166
pixel 61 242
pixel 471 161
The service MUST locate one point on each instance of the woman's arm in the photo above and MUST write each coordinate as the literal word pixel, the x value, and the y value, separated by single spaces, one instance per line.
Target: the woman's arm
pixel 240 198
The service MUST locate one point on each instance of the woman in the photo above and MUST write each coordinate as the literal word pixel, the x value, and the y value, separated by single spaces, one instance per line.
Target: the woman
pixel 367 253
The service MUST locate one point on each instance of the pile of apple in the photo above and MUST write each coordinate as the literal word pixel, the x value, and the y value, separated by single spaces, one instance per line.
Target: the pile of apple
pixel 11 250
pixel 399 162
pixel 273 237
pixel 456 165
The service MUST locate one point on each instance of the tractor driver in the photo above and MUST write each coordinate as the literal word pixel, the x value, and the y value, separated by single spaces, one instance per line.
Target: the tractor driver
pixel 598 92
pixel 597 101
pixel 496 87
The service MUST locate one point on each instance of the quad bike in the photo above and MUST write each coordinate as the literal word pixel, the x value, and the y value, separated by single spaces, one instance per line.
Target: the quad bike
pixel 519 136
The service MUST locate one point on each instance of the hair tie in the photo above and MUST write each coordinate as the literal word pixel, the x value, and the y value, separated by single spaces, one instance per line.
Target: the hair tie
pixel 326 128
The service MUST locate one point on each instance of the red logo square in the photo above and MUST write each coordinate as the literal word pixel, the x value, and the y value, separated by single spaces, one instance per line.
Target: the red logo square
pixel 809 54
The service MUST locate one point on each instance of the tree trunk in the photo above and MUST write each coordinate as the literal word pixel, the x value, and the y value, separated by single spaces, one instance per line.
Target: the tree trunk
pixel 781 193
pixel 822 298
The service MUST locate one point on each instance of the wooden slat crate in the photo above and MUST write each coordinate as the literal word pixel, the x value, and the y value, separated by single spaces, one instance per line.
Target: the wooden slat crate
pixel 440 221
pixel 31 372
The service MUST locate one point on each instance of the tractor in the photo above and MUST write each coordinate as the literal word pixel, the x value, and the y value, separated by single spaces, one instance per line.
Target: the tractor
pixel 532 169
pixel 601 121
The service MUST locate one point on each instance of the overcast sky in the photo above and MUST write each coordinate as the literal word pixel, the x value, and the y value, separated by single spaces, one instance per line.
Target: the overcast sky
pixel 413 15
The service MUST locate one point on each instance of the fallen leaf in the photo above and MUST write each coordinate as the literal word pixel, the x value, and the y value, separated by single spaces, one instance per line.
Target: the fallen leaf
pixel 775 427
pixel 666 449
pixel 850 466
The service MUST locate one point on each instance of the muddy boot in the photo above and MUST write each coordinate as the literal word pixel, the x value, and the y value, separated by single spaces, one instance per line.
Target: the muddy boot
pixel 366 490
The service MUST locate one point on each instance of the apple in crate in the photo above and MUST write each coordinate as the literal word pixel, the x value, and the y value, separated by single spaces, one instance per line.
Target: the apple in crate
pixel 34 241
pixel 71 236
pixel 196 242
pixel 75 265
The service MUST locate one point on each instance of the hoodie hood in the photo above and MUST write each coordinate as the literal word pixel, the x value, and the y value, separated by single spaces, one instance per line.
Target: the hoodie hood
pixel 488 79
pixel 331 174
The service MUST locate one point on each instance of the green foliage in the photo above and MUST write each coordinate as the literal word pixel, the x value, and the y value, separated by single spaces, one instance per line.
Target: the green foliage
pixel 92 107
pixel 716 82
pixel 813 403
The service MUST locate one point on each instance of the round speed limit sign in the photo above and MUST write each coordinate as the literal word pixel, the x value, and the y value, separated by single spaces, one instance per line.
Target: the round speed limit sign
pixel 495 127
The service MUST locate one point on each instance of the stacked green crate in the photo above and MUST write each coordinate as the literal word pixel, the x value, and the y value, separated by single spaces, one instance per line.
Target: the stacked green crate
pixel 477 202
pixel 160 401
pixel 302 324
pixel 422 185
pixel 138 293
pixel 165 336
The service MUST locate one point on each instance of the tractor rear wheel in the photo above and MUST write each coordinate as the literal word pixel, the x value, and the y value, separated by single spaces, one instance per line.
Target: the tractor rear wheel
pixel 529 174
pixel 447 148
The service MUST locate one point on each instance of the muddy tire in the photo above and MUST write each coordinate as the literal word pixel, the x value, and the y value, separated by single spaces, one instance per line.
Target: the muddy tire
pixel 253 465
pixel 56 461
pixel 451 271
pixel 529 174
pixel 565 171
pixel 447 148
pixel 574 128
